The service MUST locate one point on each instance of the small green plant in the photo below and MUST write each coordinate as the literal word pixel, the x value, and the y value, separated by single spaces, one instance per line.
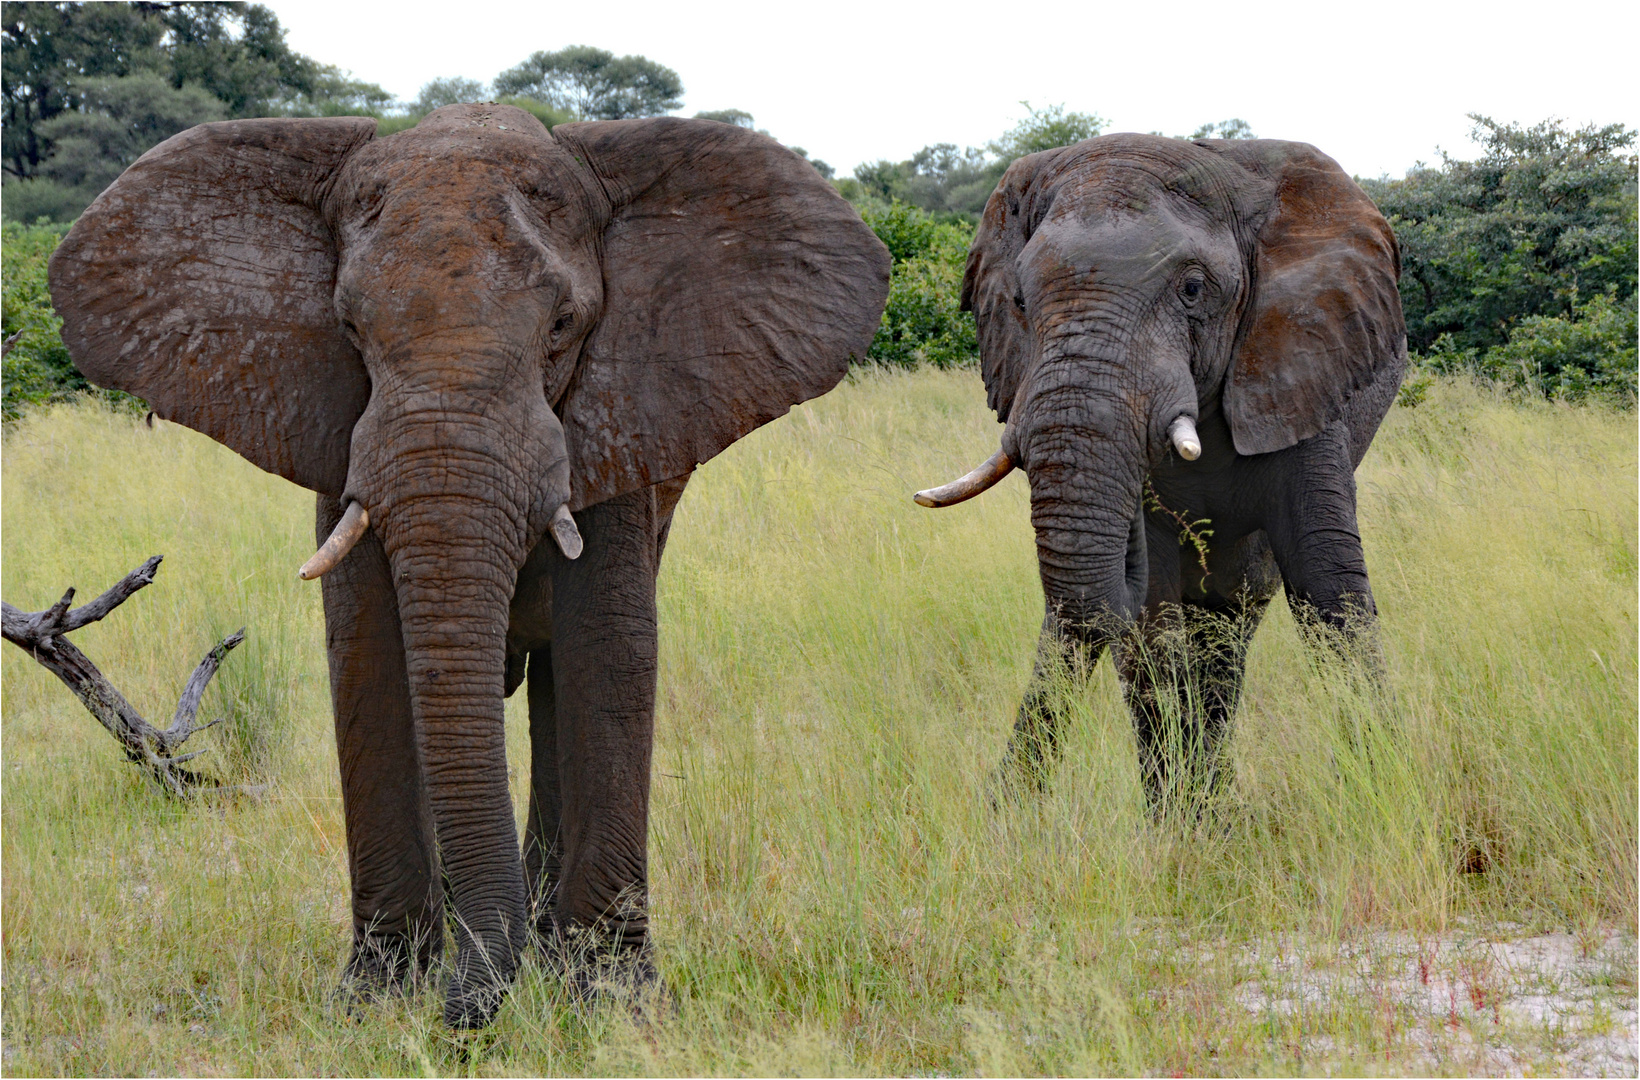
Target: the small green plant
pixel 1414 388
pixel 1193 534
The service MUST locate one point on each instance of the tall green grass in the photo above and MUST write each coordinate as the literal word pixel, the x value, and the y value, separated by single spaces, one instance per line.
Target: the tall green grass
pixel 832 888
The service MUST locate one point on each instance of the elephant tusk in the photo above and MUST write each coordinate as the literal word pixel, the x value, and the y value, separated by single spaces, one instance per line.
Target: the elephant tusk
pixel 564 533
pixel 993 469
pixel 342 538
pixel 1182 433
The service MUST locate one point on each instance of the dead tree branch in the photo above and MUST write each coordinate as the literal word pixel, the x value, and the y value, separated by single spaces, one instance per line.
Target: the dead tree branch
pixel 42 634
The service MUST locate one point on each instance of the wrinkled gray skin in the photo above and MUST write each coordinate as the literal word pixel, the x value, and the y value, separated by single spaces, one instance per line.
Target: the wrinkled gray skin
pixel 466 328
pixel 1250 286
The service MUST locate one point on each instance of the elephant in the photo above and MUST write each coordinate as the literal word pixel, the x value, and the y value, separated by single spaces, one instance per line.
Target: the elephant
pixel 496 353
pixel 1191 345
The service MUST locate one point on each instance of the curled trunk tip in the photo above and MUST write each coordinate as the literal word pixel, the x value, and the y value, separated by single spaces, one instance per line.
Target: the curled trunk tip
pixel 342 538
pixel 994 468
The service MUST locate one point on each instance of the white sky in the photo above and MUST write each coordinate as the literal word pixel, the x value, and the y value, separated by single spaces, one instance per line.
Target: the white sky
pixel 1378 85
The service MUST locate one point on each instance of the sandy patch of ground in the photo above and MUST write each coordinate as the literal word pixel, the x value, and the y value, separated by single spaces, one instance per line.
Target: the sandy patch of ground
pixel 1464 1002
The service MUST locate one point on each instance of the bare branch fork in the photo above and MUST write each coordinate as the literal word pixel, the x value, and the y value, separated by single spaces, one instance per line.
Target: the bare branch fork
pixel 42 634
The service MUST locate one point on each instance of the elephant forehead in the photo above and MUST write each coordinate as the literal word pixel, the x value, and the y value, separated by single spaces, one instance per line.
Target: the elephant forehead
pixel 1114 246
pixel 469 173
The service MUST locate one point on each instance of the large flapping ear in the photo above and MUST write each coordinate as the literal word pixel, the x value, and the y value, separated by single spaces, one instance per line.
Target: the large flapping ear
pixel 737 283
pixel 201 281
pixel 990 284
pixel 1324 322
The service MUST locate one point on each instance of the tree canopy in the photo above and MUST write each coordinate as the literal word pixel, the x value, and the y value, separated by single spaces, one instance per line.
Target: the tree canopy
pixel 88 87
pixel 943 179
pixel 594 84
pixel 1519 264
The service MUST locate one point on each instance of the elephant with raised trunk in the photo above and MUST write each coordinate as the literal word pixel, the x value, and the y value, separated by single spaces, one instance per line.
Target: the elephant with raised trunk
pixel 1191 345
pixel 496 353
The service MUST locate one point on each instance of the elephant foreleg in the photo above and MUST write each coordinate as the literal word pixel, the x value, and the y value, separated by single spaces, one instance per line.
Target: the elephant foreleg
pixel 603 660
pixel 1064 662
pixel 1317 546
pixel 543 843
pixel 392 862
pixel 1182 677
pixel 1066 653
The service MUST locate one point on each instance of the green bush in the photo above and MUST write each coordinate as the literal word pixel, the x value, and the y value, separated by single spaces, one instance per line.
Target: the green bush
pixel 1545 217
pixel 1590 353
pixel 36 368
pixel 924 322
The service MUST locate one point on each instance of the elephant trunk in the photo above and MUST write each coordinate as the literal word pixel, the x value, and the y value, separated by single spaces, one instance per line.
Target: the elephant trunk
pixel 1085 488
pixel 1098 414
pixel 454 589
pixel 457 507
pixel 454 583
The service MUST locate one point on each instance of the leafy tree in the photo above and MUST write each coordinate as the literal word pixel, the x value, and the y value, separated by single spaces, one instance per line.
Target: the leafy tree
pixel 1589 353
pixel 438 93
pixel 1224 129
pixel 923 322
pixel 1045 129
pixel 594 84
pixel 237 52
pixel 95 84
pixel 119 118
pixel 737 117
pixel 943 179
pixel 46 47
pixel 1541 223
pixel 36 365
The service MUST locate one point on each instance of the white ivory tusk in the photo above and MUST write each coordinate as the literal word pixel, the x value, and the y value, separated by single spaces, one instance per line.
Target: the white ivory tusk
pixel 342 538
pixel 1182 432
pixel 564 533
pixel 990 471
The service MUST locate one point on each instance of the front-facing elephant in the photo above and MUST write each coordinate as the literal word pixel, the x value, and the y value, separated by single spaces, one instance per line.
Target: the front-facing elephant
pixel 1187 341
pixel 484 346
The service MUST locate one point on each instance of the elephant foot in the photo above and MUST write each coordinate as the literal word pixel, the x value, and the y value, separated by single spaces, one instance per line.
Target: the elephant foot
pixel 479 980
pixel 383 966
pixel 597 968
pixel 471 1004
pixel 1019 776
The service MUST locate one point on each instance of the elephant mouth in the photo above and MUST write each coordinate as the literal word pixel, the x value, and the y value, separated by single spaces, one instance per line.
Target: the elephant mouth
pixel 1181 433
pixel 356 520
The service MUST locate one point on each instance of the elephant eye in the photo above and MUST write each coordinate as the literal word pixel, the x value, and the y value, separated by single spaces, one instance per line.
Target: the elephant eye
pixel 1192 289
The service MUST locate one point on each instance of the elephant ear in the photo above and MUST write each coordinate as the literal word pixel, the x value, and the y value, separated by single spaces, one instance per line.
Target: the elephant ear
pixel 1324 323
pixel 990 284
pixel 201 281
pixel 737 283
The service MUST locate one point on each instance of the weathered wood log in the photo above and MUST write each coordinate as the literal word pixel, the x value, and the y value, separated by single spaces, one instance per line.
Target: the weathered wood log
pixel 42 634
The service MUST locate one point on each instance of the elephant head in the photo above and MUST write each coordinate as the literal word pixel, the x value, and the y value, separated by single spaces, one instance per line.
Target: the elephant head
pixel 463 332
pixel 1139 297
